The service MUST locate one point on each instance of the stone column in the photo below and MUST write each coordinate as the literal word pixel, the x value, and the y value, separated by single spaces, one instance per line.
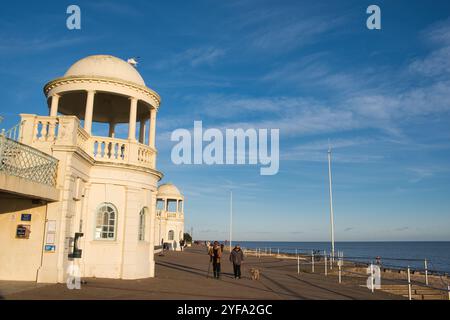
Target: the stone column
pixel 132 121
pixel 142 130
pixel 152 131
pixel 54 105
pixel 112 128
pixel 89 111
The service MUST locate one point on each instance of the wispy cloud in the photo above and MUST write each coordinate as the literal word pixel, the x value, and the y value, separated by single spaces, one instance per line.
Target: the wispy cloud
pixel 17 45
pixel 122 8
pixel 192 57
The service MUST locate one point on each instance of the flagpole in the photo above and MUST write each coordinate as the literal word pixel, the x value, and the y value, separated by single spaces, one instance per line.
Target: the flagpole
pixel 331 203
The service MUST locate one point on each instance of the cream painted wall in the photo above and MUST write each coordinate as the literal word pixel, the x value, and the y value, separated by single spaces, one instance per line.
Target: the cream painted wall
pixel 20 258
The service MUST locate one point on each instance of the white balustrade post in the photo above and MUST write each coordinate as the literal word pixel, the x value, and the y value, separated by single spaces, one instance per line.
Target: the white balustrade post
pixel 426 271
pixel 325 262
pixel 298 264
pixel 312 261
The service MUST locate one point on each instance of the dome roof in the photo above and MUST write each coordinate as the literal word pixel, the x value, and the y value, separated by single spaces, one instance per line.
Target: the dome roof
pixel 169 189
pixel 105 66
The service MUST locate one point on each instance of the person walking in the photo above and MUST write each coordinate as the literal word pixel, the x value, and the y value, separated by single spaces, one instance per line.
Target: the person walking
pixel 181 244
pixel 215 255
pixel 237 257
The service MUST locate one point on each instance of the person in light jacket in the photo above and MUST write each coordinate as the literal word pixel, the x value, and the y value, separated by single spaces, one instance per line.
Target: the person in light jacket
pixel 237 257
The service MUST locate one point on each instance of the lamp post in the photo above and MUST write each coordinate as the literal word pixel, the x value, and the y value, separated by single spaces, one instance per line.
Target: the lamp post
pixel 231 218
pixel 331 203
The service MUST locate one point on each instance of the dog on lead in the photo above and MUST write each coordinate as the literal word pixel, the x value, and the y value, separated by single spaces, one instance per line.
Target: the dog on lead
pixel 255 273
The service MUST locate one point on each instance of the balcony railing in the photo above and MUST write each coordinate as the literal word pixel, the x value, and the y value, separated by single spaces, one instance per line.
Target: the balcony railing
pixel 22 161
pixel 166 214
pixel 43 132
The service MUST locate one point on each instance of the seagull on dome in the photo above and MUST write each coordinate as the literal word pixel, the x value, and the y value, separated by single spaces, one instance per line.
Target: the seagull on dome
pixel 133 61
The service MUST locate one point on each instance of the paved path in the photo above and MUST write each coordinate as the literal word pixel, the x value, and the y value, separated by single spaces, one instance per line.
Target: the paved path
pixel 182 275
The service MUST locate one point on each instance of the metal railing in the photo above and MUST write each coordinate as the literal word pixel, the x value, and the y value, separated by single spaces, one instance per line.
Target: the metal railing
pixel 355 270
pixel 22 161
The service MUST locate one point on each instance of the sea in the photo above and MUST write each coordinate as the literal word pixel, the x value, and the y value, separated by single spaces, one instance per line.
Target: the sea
pixel 396 254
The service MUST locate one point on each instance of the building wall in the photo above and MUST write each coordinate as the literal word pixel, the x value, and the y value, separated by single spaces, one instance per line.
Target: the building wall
pixel 167 224
pixel 126 257
pixel 129 190
pixel 20 258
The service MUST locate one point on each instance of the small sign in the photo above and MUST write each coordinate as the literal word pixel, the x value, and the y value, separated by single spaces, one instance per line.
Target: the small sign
pixel 50 238
pixel 51 226
pixel 23 231
pixel 25 217
pixel 50 248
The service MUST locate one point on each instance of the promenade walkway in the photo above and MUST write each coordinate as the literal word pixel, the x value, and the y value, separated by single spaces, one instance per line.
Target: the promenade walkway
pixel 183 275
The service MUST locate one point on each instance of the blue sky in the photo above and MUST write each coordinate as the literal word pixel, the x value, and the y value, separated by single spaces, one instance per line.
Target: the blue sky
pixel 310 68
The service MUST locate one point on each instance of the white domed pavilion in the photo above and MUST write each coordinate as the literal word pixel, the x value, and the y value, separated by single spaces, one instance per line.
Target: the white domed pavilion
pixel 106 185
pixel 169 216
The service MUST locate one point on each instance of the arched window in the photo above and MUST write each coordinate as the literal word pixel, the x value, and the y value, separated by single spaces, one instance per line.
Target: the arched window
pixel 171 235
pixel 105 226
pixel 141 232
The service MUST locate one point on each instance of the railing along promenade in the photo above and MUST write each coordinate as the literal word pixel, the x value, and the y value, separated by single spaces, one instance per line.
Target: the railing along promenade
pixel 398 279
pixel 44 132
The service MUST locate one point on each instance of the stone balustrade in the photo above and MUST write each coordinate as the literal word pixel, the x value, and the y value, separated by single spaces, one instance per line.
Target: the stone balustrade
pixel 43 132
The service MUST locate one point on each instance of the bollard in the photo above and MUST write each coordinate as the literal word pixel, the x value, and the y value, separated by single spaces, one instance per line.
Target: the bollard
pixel 426 271
pixel 270 251
pixel 371 278
pixel 278 251
pixel 340 275
pixel 448 288
pixel 312 261
pixel 409 284
pixel 325 259
pixel 298 264
pixel 331 261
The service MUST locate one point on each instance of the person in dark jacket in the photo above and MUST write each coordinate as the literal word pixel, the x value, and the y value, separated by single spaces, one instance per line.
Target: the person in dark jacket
pixel 182 244
pixel 215 254
pixel 237 257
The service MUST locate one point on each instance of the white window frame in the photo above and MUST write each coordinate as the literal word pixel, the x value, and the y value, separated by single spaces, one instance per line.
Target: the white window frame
pixel 98 233
pixel 141 230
